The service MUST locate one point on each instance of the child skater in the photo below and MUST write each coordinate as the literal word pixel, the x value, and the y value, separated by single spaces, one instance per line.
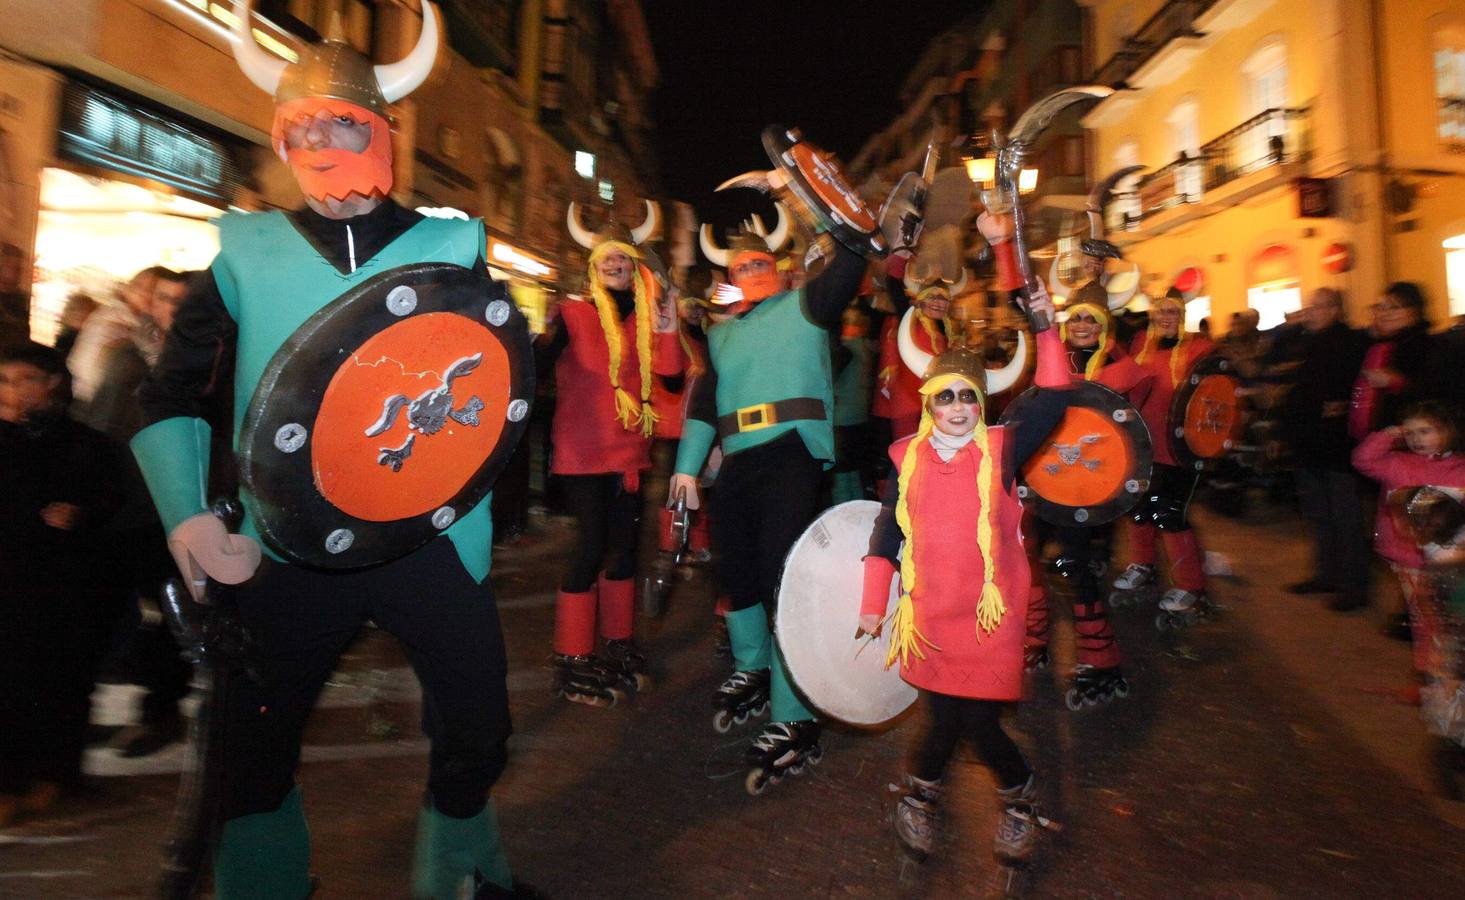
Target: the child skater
pixel 958 628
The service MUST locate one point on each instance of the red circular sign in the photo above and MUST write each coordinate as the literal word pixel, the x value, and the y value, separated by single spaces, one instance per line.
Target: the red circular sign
pixel 1337 258
pixel 410 361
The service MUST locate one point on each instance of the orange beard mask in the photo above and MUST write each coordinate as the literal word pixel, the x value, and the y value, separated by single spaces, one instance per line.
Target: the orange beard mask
pixel 758 287
pixel 335 173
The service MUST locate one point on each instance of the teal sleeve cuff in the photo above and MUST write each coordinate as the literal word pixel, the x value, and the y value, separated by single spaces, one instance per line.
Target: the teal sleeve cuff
pixel 174 457
pixel 692 450
pixel 472 537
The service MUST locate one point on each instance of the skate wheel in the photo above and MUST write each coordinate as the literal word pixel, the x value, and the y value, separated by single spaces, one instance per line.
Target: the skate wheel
pixel 722 721
pixel 761 710
pixel 1162 622
pixel 816 754
pixel 1071 700
pixel 1091 701
pixel 741 718
pixel 796 769
pixel 642 681
pixel 756 782
pixel 1121 689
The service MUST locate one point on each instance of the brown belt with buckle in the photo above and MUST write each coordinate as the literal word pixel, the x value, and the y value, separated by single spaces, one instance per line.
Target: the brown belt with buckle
pixel 761 415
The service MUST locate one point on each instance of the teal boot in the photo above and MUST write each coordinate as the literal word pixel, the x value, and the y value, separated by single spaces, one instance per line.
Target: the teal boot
pixel 453 851
pixel 265 855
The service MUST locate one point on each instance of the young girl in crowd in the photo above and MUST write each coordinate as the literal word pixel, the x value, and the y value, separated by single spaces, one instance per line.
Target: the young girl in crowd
pixel 1420 451
pixel 958 627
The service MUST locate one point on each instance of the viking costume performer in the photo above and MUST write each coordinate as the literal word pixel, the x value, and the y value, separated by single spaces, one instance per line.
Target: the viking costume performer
pixel 767 396
pixel 1169 354
pixel 1091 355
pixel 371 504
pixel 958 627
pixel 898 394
pixel 608 353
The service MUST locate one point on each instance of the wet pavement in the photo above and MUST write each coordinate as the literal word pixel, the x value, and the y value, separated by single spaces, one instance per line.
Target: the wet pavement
pixel 1263 754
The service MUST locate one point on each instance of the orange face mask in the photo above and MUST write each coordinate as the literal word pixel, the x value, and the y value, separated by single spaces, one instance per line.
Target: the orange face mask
pixel 759 286
pixel 335 173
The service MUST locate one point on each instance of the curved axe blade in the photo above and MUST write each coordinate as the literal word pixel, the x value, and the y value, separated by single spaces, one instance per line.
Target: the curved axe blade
pixel 1037 117
pixel 1095 206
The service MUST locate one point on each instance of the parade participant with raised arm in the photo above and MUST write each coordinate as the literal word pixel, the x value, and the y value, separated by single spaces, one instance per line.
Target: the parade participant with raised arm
pixel 1168 353
pixel 381 381
pixel 950 525
pixel 608 352
pixel 768 397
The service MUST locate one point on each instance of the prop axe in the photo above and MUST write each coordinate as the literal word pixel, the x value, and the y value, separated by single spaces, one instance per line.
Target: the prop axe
pixel 1009 166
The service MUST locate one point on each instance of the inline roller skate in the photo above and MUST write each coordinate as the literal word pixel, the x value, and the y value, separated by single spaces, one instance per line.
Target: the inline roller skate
pixel 784 748
pixel 1180 609
pixel 1017 829
pixel 1035 659
pixel 742 696
pixel 627 662
pixel 587 680
pixel 1135 585
pixel 916 817
pixel 1092 686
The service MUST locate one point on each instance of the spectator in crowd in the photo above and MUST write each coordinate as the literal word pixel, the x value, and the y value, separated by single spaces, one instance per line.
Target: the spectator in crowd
pixel 79 307
pixel 127 322
pixel 14 299
pixel 58 493
pixel 1314 424
pixel 1394 366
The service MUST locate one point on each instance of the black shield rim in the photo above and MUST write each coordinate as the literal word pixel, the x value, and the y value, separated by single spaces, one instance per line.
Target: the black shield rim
pixel 1092 395
pixel 1214 364
pixel 293 518
pixel 777 140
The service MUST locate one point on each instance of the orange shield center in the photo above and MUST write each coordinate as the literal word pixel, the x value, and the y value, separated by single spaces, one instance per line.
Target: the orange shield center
pixel 828 182
pixel 1084 463
pixel 410 417
pixel 1212 419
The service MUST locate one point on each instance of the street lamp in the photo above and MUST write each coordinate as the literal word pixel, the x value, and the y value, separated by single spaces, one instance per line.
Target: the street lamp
pixel 981 170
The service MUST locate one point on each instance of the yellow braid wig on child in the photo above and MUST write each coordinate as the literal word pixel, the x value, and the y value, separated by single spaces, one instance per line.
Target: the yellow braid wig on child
pixel 1152 341
pixel 1101 355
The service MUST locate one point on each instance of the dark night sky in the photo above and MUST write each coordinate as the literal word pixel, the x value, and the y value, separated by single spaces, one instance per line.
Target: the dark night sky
pixel 728 69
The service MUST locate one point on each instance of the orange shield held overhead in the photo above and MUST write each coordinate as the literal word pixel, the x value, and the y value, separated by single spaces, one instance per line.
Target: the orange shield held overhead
pixel 816 178
pixel 1096 463
pixel 1207 417
pixel 387 416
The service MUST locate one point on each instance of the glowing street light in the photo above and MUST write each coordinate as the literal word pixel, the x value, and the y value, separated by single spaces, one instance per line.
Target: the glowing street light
pixel 981 170
pixel 1027 181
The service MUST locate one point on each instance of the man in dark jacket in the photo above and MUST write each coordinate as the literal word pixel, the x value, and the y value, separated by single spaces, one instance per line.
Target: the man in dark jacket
pixel 1315 423
pixel 59 596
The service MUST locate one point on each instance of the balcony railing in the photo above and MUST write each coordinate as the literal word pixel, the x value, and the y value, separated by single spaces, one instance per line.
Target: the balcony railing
pixel 1173 20
pixel 1274 137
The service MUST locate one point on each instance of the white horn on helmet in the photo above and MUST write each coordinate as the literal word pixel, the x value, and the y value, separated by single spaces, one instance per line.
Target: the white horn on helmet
pixel 258 66
pixel 401 78
pixel 960 286
pixel 649 226
pixel 578 231
pixel 999 380
pixel 912 284
pixel 1128 283
pixel 781 232
pixel 716 254
pixel 755 225
pixel 915 359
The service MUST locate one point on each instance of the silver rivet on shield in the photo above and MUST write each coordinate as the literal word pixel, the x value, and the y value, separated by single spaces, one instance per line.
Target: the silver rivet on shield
pixel 290 437
pixel 518 410
pixel 1132 486
pixel 1080 515
pixel 340 540
pixel 443 517
pixel 1180 431
pixel 401 300
pixel 497 313
pixel 1121 415
pixel 1226 444
pixel 1022 490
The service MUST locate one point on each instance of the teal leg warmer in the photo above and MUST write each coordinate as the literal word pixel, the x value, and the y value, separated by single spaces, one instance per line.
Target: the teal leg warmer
pixel 265 855
pixel 786 705
pixel 752 645
pixel 450 851
pixel 846 486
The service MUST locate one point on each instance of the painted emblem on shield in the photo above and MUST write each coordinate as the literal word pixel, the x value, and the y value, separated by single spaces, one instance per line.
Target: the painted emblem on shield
pixel 1094 466
pixel 817 178
pixel 1206 417
pixel 387 416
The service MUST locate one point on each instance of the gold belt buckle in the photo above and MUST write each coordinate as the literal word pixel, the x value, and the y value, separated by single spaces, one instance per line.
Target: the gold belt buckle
pixel 752 418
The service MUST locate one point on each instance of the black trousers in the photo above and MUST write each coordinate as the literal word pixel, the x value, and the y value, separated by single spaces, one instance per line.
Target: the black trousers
pixel 301 620
pixel 979 721
pixel 608 518
pixel 1341 552
pixel 766 497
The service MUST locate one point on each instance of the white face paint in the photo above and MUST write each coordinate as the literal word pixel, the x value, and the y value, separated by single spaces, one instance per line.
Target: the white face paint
pixel 955 409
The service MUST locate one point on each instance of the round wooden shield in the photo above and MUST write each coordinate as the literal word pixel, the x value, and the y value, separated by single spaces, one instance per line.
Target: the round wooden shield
pixel 816 177
pixel 386 416
pixel 1094 466
pixel 840 672
pixel 1206 416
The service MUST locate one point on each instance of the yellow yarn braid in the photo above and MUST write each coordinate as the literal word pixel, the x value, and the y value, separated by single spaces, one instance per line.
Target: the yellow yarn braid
pixel 940 338
pixel 629 412
pixel 1177 353
pixel 1101 355
pixel 905 637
